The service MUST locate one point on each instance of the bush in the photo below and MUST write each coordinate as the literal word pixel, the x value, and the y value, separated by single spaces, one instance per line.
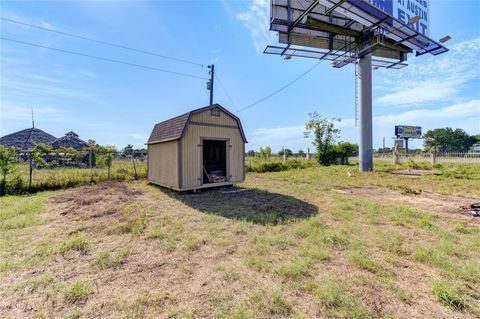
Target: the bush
pixel 279 166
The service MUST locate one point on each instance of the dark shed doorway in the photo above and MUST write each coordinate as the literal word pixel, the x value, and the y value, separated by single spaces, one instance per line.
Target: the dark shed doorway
pixel 214 161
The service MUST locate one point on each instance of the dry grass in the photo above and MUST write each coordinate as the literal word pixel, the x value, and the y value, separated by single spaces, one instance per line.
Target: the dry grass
pixel 300 244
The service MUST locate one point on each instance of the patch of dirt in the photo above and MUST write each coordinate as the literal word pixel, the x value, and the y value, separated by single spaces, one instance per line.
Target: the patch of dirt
pixel 415 173
pixel 433 202
pixel 95 201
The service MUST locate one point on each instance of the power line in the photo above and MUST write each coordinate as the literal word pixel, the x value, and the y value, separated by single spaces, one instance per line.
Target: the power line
pixel 104 59
pixel 102 42
pixel 280 89
pixel 225 90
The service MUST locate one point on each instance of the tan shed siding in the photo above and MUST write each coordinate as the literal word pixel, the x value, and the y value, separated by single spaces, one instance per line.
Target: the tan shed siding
pixel 205 117
pixel 163 163
pixel 192 156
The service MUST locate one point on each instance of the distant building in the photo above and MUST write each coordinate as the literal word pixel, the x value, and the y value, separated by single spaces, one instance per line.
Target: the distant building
pixel 70 139
pixel 476 148
pixel 26 139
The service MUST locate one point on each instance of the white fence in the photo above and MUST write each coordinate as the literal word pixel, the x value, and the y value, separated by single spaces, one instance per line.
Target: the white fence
pixel 456 154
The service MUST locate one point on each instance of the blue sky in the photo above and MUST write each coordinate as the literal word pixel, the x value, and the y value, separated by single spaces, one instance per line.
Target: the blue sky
pixel 119 104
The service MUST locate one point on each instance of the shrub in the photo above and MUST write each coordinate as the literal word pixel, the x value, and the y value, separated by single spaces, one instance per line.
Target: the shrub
pixel 279 166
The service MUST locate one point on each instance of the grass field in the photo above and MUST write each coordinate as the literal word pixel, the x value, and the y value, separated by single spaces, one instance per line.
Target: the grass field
pixel 61 177
pixel 305 243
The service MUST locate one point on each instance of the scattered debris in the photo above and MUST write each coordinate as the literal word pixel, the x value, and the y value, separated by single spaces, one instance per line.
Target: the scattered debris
pixel 475 209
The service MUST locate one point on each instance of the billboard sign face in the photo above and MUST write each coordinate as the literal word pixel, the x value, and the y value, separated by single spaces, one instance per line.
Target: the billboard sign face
pixel 404 10
pixel 398 142
pixel 408 131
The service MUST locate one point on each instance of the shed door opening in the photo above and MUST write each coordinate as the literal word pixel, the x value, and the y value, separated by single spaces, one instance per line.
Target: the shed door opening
pixel 214 161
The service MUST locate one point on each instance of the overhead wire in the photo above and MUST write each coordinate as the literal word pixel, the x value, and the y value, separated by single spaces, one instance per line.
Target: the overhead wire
pixel 225 90
pixel 252 136
pixel 104 58
pixel 280 89
pixel 102 42
pixel 296 79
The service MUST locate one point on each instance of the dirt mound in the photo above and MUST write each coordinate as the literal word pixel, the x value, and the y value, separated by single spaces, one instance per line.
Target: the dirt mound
pixel 439 203
pixel 95 201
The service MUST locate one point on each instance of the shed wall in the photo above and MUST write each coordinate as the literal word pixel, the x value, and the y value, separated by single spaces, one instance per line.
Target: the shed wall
pixel 192 150
pixel 163 164
pixel 205 117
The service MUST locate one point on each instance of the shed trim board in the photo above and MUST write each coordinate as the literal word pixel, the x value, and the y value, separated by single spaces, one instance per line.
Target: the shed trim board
pixel 243 160
pixel 227 156
pixel 213 124
pixel 179 164
pixel 221 108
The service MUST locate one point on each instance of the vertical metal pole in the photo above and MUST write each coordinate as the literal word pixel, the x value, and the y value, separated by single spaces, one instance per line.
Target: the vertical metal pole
pixel 406 146
pixel 365 125
pixel 212 74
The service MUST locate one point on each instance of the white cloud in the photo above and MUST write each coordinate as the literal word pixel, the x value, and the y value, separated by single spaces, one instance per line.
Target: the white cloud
pixel 431 79
pixel 12 112
pixel 138 136
pixel 423 92
pixel 256 20
pixel 46 25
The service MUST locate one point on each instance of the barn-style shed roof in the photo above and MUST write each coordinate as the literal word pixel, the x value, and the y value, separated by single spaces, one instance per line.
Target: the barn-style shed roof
pixel 174 128
pixel 26 139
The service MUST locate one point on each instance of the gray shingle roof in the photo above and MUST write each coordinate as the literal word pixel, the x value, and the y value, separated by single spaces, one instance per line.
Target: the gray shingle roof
pixel 174 128
pixel 26 139
pixel 171 129
pixel 70 139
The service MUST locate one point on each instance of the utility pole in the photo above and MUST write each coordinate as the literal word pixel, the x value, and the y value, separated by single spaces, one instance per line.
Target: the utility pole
pixel 210 82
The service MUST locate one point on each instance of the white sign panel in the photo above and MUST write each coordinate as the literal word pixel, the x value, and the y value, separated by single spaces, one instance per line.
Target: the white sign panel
pixel 404 10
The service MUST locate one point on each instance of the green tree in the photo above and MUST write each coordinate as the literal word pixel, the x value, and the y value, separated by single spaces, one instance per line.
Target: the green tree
pixel 448 140
pixel 287 151
pixel 128 150
pixel 301 153
pixel 265 153
pixel 251 153
pixel 108 154
pixel 344 150
pixel 324 136
pixel 39 153
pixel 8 158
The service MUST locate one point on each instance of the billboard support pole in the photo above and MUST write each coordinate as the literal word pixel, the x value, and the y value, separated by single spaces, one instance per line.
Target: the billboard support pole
pixel 406 146
pixel 365 125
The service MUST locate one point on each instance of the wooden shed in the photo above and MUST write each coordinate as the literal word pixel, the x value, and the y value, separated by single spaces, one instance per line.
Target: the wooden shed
pixel 199 149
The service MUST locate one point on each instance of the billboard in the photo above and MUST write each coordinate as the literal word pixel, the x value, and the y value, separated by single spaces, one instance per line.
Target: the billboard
pixel 408 131
pixel 398 142
pixel 404 10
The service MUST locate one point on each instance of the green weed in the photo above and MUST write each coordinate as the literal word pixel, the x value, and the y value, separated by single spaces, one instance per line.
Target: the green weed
pixel 448 295
pixel 77 292
pixel 77 241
